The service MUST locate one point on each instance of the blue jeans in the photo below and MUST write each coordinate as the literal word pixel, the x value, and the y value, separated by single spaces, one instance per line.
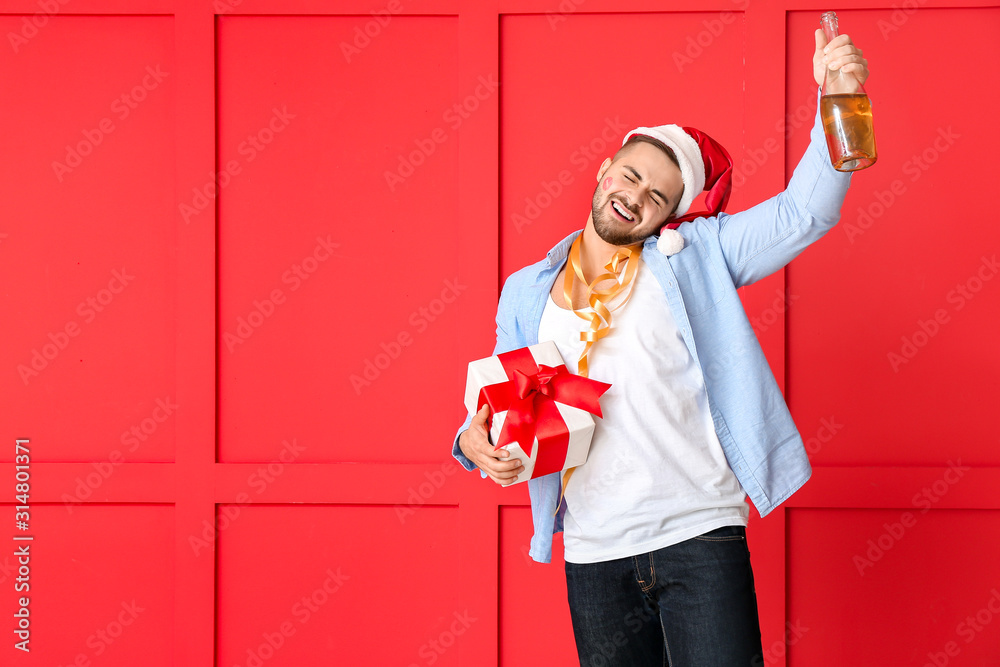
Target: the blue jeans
pixel 691 604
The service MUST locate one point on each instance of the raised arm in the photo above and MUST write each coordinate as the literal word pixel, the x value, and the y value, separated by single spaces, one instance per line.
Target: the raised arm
pixel 759 241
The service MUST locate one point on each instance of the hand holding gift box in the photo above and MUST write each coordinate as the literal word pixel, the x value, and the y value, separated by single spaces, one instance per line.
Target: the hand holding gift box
pixel 539 411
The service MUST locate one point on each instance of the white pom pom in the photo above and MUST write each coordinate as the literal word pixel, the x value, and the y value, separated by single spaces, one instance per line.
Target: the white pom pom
pixel 670 243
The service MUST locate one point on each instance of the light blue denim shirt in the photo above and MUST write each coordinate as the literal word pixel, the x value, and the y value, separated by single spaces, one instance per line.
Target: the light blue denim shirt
pixel 720 254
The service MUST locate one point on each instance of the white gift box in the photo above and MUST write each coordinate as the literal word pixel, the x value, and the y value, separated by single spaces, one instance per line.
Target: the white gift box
pixel 578 422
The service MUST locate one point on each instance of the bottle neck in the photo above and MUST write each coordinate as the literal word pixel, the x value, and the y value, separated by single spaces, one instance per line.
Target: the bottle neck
pixel 829 24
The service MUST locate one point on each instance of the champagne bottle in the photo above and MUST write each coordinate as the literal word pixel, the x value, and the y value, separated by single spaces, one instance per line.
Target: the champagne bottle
pixel 847 114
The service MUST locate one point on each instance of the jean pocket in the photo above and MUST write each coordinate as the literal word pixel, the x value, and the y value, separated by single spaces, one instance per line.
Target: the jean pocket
pixel 724 534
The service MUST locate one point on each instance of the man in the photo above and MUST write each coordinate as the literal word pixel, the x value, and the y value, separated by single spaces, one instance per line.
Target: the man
pixel 657 565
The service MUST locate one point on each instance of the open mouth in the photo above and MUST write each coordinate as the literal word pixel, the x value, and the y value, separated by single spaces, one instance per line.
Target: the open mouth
pixel 623 213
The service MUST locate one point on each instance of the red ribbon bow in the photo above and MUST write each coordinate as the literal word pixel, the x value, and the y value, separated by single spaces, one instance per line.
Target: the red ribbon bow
pixel 541 381
pixel 529 396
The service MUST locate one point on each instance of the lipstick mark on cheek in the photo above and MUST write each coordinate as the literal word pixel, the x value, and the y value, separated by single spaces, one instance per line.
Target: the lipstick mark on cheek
pixel 607 183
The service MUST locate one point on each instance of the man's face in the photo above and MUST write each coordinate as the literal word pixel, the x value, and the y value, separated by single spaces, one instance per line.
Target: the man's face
pixel 635 194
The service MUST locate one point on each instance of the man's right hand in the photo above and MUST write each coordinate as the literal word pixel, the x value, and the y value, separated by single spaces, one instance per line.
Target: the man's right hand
pixel 475 444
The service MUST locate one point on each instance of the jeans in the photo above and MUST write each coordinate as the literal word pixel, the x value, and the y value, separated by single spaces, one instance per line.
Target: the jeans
pixel 691 604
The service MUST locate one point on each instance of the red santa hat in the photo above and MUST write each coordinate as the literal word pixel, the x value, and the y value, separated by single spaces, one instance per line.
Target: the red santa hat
pixel 705 165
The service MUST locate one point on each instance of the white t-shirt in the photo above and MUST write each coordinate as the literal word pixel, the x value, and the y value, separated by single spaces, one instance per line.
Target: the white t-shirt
pixel 656 474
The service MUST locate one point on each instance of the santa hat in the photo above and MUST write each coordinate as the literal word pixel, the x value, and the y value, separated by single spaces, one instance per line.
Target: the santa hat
pixel 705 165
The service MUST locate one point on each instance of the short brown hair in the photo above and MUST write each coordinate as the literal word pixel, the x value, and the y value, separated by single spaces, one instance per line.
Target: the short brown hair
pixel 650 140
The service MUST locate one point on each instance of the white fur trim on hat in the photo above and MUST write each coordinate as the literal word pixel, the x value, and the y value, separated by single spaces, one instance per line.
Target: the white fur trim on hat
pixel 688 155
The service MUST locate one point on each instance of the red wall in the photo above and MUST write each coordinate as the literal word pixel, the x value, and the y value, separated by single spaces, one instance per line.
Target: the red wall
pixel 248 248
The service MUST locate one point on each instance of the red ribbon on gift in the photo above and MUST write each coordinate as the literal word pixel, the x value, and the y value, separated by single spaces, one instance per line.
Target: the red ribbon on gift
pixel 529 396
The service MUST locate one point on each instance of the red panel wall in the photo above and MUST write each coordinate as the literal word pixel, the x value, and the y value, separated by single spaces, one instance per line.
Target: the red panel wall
pixel 894 330
pixel 344 188
pixel 90 245
pixel 249 246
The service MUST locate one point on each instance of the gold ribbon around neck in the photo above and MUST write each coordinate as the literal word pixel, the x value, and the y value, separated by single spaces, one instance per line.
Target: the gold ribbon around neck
pixel 599 314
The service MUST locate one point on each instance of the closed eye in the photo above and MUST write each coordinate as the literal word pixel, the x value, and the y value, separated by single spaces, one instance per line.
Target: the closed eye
pixel 655 193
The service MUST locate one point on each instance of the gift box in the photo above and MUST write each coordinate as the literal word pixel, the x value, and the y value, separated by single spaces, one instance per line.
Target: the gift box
pixel 539 411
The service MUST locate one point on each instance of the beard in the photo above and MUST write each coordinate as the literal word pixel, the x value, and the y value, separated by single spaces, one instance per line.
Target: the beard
pixel 611 230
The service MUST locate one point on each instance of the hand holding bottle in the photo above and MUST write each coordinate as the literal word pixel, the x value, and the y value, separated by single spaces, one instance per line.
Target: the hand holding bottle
pixel 845 108
pixel 842 56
